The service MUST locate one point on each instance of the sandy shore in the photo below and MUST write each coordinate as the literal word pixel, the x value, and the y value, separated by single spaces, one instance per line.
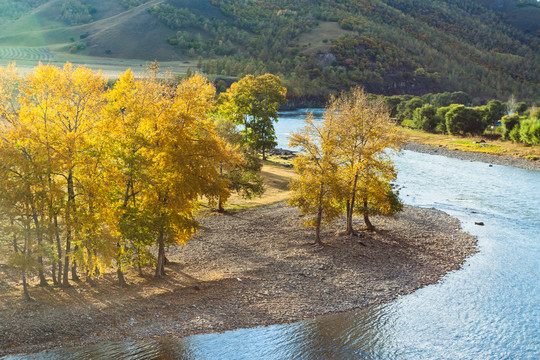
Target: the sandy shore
pixel 474 156
pixel 252 268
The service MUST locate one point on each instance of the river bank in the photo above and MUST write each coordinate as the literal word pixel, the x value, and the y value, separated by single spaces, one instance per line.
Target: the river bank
pixel 505 160
pixel 252 268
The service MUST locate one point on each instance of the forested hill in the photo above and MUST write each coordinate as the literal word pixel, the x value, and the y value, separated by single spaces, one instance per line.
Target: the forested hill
pixel 488 48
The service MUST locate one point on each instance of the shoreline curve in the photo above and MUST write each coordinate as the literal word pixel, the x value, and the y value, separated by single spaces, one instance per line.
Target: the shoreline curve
pixel 247 269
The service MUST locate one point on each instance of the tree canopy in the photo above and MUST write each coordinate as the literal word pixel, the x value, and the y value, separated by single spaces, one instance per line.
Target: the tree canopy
pixel 95 176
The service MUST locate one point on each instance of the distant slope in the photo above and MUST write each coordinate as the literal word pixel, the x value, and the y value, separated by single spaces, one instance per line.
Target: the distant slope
pixel 522 14
pixel 115 32
pixel 488 48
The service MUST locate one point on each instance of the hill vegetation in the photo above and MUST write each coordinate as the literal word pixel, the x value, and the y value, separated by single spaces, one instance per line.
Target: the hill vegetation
pixel 489 49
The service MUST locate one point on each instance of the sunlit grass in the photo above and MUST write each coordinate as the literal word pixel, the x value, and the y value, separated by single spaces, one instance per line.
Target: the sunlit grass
pixel 277 174
pixel 473 144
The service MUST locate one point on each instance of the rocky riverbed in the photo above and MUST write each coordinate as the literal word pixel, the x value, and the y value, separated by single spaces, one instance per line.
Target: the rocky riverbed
pixel 474 156
pixel 250 268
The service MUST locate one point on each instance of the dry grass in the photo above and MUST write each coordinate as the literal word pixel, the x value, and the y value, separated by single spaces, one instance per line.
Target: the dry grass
pixel 276 175
pixel 472 144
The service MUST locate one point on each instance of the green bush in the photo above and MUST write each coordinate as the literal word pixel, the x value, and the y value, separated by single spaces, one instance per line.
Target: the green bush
pixel 461 120
pixel 529 131
pixel 509 122
pixel 521 107
pixel 496 111
pixel 425 118
pixel 405 109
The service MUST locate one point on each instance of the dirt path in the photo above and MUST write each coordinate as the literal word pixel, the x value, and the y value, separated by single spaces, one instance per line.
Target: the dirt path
pixel 251 268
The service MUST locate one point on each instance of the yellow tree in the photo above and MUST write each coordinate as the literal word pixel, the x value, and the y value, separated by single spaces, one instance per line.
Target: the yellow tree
pixel 167 155
pixel 22 195
pixel 186 155
pixel 367 138
pixel 316 190
pixel 134 109
pixel 61 107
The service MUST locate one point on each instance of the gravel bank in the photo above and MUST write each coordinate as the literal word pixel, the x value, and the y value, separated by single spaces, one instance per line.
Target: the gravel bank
pixel 474 156
pixel 252 268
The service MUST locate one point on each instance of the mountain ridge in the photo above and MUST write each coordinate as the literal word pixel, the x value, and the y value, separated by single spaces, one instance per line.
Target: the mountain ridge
pixel 317 47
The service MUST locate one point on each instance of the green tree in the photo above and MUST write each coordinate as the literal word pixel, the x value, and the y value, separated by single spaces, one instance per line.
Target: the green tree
pixel 461 120
pixel 253 102
pixel 496 111
pixel 425 118
pixel 529 131
pixel 244 175
pixel 509 122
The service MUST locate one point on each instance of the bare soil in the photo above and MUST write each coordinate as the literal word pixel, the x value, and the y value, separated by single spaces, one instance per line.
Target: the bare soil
pixel 250 268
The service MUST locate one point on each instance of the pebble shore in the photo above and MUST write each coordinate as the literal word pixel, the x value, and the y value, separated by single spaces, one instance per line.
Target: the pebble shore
pixel 251 268
pixel 474 156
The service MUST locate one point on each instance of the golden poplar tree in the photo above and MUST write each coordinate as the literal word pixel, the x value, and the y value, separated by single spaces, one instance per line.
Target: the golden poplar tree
pixel 61 111
pixel 187 153
pixel 167 154
pixel 316 190
pixel 22 182
pixel 345 162
pixel 367 138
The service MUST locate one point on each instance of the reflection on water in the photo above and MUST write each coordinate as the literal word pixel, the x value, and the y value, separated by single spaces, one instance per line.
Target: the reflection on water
pixel 487 310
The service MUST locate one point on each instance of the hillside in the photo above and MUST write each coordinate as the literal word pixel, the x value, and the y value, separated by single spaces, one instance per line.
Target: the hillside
pixel 488 48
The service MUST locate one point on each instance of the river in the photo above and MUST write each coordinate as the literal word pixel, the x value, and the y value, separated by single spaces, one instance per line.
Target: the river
pixel 489 309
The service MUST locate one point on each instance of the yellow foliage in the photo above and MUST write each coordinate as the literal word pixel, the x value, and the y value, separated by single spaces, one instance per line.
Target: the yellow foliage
pixel 78 160
pixel 345 159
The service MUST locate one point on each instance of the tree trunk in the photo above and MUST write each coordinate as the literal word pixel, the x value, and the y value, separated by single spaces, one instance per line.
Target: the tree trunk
pixel 264 154
pixel 58 249
pixel 318 228
pixel 25 286
pixel 53 271
pixel 319 219
pixel 160 266
pixel 121 278
pixel 348 225
pixel 65 280
pixel 119 272
pixel 69 214
pixel 39 233
pixel 74 275
pixel 15 246
pixel 25 252
pixel 220 206
pixel 350 207
pixel 369 225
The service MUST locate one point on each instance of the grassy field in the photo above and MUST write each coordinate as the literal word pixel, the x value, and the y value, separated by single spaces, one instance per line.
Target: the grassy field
pixel 110 68
pixel 318 38
pixel 474 144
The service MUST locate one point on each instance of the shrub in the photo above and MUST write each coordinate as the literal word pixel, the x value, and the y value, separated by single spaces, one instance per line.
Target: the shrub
pixel 405 109
pixel 425 118
pixel 508 124
pixel 514 134
pixel 496 111
pixel 521 107
pixel 461 120
pixel 529 131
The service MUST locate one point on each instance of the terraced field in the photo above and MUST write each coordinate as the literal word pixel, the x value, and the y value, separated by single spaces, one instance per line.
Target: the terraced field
pixel 26 53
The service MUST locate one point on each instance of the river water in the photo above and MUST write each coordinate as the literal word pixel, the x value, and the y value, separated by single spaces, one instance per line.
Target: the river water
pixel 489 309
